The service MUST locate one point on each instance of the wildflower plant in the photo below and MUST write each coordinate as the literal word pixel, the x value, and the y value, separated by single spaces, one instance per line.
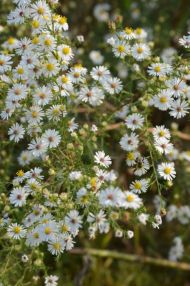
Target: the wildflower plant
pixel 60 115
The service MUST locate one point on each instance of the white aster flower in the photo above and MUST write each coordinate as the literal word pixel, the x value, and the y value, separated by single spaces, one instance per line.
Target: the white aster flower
pixel 167 171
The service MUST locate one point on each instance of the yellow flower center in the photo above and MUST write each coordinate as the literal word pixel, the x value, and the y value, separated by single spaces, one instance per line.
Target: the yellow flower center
pixel 64 228
pixel 20 70
pixel 130 156
pixel 93 182
pixel 157 69
pixel 55 112
pixel 20 173
pixel 138 31
pixel 11 41
pixel 84 199
pixel 17 229
pixel 66 50
pixel 62 20
pixel 48 42
pixel 137 185
pixel 130 198
pixel 36 235
pixel 128 31
pixel 56 245
pixel 64 79
pixel 35 24
pixel 34 114
pixel 163 99
pixel 161 133
pixel 121 49
pixel 139 50
pixel 35 40
pixel 167 170
pixel 40 10
pixel 47 230
pixel 50 67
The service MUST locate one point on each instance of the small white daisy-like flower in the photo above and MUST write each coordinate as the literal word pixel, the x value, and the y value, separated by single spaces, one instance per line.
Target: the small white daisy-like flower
pixel 18 197
pixel 163 100
pixel 177 86
pixel 33 238
pixel 24 258
pixel 42 95
pixel 51 138
pixel 100 73
pixel 167 171
pixel 121 49
pixel 17 16
pixel 130 234
pixel 23 46
pixel 185 41
pixel 122 112
pixel 128 33
pixel 50 68
pixel 134 121
pixel 142 166
pixel 60 23
pixel 96 57
pixel 110 197
pixel 56 246
pixel 101 12
pixel 131 201
pixel 68 240
pixel 161 132
pixel 16 132
pixel 75 175
pixel 35 114
pixel 139 186
pixel 140 52
pixel 37 147
pixel 47 42
pixel 56 112
pixel 159 69
pixel 179 108
pixel 16 231
pixel 113 85
pixel 132 157
pixel 40 10
pixel 5 114
pixel 5 63
pixel 102 159
pixel 143 218
pixel 82 196
pixel 48 230
pixel 25 158
pixel 93 95
pixel 140 33
pixel 17 92
pixel 74 221
pixel 129 142
pixel 65 52
pixel 51 280
pixel 163 146
pixel 72 125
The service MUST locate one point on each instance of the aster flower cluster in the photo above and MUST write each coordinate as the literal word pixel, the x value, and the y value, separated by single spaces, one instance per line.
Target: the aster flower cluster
pixel 168 91
pixel 67 183
pixel 42 84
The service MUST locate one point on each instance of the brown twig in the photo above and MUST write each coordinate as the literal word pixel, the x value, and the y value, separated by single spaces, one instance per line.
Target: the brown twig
pixel 132 258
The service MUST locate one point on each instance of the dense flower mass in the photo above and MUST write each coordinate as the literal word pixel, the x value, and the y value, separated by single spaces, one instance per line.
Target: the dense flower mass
pixel 68 182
